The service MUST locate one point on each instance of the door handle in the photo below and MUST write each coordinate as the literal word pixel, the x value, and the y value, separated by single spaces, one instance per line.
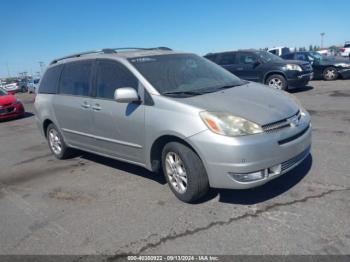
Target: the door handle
pixel 96 107
pixel 239 68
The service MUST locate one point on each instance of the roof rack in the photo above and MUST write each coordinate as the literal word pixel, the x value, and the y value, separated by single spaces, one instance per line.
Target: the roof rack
pixel 108 51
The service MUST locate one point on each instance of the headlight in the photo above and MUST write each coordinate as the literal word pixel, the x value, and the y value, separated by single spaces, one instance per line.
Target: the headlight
pixel 229 125
pixel 342 65
pixel 293 67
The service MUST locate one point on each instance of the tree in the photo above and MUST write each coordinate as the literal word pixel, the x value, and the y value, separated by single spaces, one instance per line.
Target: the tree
pixel 310 47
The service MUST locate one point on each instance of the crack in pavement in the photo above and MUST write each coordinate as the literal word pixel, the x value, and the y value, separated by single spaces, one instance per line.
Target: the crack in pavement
pixel 121 255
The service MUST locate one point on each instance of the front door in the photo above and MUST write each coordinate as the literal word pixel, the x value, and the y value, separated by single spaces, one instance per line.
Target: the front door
pixel 249 66
pixel 119 128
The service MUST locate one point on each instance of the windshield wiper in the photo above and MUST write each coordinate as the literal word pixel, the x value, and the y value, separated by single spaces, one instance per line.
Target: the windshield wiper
pixel 193 93
pixel 230 86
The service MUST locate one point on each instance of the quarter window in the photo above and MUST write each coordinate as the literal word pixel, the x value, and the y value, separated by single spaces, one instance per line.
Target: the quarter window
pixel 75 79
pixel 48 84
pixel 112 75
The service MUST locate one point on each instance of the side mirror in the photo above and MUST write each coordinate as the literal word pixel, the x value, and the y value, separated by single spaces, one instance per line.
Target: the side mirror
pixel 256 63
pixel 126 95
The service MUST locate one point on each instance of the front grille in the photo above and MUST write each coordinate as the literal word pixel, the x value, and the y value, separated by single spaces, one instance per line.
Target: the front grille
pixel 295 160
pixel 7 110
pixel 289 139
pixel 278 125
pixel 306 67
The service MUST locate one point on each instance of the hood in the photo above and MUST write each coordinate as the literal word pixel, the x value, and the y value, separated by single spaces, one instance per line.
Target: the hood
pixel 334 60
pixel 7 99
pixel 253 101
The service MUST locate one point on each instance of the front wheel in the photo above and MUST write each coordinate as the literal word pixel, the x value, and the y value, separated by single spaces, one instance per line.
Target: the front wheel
pixel 184 172
pixel 330 73
pixel 56 143
pixel 277 81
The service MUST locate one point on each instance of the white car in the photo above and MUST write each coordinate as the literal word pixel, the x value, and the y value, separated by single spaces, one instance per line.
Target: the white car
pixel 345 51
pixel 280 50
pixel 12 87
pixel 325 52
pixel 33 85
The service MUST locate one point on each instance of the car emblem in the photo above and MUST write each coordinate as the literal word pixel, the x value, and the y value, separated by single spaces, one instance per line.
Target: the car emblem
pixel 293 121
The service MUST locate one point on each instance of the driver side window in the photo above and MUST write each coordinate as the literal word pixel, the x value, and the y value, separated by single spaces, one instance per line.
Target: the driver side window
pixel 112 75
pixel 300 57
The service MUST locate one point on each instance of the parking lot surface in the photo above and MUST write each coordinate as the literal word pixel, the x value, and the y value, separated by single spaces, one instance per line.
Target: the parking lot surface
pixel 94 205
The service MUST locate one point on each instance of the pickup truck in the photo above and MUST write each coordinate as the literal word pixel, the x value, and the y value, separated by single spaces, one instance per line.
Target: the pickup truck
pixel 345 51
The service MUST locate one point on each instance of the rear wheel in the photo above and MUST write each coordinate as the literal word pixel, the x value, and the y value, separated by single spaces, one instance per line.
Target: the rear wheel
pixel 330 73
pixel 184 172
pixel 277 81
pixel 56 143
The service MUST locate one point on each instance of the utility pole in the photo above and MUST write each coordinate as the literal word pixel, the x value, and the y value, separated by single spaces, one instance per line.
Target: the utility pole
pixel 322 35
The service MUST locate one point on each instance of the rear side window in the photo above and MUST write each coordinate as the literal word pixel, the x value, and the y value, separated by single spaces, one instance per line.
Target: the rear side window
pixel 247 58
pixel 112 75
pixel 227 59
pixel 49 82
pixel 76 78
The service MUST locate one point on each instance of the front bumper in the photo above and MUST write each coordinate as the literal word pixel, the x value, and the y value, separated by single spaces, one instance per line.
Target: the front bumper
pixel 223 157
pixel 12 111
pixel 300 80
pixel 345 72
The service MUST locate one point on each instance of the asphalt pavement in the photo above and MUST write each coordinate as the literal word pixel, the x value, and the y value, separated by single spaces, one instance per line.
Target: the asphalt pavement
pixel 94 205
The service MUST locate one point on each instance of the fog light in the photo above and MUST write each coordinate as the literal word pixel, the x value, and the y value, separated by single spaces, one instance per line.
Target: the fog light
pixel 275 170
pixel 250 176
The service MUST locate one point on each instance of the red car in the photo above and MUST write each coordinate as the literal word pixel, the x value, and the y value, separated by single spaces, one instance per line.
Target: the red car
pixel 10 106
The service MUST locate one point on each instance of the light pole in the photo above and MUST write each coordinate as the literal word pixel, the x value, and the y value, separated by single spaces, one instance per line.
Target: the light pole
pixel 322 35
pixel 42 65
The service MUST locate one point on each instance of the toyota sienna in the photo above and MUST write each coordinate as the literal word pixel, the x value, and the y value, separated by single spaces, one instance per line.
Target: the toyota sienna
pixel 173 112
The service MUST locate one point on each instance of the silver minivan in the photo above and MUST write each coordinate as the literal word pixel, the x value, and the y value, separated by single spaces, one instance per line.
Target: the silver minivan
pixel 173 112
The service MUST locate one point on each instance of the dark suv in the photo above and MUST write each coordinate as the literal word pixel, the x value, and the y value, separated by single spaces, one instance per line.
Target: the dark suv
pixel 264 67
pixel 327 68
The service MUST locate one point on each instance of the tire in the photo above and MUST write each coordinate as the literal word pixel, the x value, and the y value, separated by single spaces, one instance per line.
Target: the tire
pixel 330 73
pixel 277 81
pixel 23 89
pixel 59 149
pixel 197 184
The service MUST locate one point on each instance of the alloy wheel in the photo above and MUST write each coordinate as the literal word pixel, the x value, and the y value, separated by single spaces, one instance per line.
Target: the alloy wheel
pixel 275 83
pixel 330 74
pixel 55 141
pixel 176 172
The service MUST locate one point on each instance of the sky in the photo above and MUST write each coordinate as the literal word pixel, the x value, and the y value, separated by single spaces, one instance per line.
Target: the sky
pixel 41 30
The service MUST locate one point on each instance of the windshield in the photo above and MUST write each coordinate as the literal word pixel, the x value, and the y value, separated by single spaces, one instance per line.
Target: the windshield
pixel 180 73
pixel 315 56
pixel 268 57
pixel 3 92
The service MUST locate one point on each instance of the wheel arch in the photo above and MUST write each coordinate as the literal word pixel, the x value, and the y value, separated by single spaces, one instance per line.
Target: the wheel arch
pixel 275 72
pixel 45 125
pixel 155 154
